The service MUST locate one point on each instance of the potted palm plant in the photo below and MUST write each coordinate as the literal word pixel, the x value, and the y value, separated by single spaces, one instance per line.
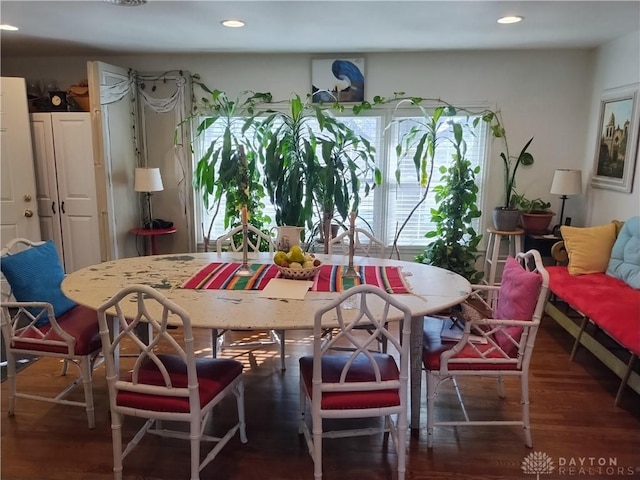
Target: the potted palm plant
pixel 507 216
pixel 304 169
pixel 228 167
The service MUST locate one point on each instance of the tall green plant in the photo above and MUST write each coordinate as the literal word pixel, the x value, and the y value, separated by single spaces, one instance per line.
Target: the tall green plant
pixel 423 139
pixel 455 241
pixel 288 153
pixel 228 167
pixel 511 163
pixel 347 161
pixel 305 166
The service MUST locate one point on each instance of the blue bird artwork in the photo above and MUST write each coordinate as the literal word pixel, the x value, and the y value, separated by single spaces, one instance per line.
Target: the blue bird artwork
pixel 346 84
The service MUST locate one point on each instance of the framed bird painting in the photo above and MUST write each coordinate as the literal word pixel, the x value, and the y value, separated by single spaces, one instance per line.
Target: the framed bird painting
pixel 337 80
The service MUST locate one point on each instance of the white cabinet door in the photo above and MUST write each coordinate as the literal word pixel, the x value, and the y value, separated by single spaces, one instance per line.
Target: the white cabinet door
pixel 46 182
pixel 73 146
pixel 66 185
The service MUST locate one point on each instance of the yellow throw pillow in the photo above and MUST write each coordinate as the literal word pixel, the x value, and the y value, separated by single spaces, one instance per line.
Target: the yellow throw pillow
pixel 589 248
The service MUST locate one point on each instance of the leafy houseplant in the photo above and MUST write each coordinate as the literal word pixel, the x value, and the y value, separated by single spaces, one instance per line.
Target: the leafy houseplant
pixel 304 169
pixel 506 217
pixel 455 241
pixel 535 215
pixel 346 162
pixel 228 166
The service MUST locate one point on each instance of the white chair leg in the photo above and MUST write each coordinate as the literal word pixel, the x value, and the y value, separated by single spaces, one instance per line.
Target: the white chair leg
pixel 402 444
pixel 431 394
pixel 86 369
pixel 116 434
pixel 241 417
pixel 281 336
pixel 303 406
pixel 317 449
pixel 194 436
pixel 501 392
pixel 526 421
pixel 11 382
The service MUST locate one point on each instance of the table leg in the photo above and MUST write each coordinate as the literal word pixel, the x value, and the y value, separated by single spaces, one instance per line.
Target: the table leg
pixel 154 247
pixel 415 359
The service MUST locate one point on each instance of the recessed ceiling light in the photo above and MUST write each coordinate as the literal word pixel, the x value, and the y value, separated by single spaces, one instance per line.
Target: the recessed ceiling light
pixel 127 3
pixel 233 23
pixel 510 19
pixel 10 28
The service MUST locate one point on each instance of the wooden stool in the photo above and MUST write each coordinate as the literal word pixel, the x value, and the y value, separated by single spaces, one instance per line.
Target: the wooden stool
pixel 493 257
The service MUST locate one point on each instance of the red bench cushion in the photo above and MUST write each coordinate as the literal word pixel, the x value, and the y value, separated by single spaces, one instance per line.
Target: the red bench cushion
pixel 609 302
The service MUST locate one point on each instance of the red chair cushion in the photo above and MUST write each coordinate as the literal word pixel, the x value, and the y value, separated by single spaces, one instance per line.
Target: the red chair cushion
pixel 517 300
pixel 214 375
pixel 608 301
pixel 433 346
pixel 79 322
pixel 360 371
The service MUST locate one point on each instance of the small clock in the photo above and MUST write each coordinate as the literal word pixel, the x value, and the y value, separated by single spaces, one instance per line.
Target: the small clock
pixel 58 101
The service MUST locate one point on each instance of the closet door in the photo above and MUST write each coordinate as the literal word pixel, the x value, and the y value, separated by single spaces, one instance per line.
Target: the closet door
pixel 73 147
pixel 46 182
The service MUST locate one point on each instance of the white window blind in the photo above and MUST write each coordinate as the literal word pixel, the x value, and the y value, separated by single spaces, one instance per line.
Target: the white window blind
pixel 387 206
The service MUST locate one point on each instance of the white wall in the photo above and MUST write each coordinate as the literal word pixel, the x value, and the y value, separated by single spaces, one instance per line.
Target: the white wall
pixel 617 64
pixel 547 94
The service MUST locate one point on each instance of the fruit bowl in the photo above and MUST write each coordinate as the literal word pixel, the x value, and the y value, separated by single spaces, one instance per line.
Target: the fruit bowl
pixel 298 273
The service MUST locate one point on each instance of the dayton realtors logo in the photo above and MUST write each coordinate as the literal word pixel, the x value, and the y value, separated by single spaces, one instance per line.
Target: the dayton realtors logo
pixel 539 463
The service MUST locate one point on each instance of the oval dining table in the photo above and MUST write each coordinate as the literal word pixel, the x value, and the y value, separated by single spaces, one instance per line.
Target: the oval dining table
pixel 431 290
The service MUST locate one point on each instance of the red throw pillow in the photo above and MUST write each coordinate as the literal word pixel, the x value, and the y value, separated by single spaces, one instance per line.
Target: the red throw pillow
pixel 517 300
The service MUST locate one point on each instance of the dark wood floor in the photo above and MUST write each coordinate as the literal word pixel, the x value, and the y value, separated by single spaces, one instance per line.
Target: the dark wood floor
pixel 573 418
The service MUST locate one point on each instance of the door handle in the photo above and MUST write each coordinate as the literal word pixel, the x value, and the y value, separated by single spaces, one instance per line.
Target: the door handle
pixel 53 207
pixel 28 213
pixel 27 198
pixel 62 207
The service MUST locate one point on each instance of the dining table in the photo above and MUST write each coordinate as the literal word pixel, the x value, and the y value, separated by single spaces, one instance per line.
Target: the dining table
pixel 205 285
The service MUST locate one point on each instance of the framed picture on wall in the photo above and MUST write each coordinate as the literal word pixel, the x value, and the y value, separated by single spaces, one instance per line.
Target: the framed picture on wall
pixel 337 80
pixel 616 152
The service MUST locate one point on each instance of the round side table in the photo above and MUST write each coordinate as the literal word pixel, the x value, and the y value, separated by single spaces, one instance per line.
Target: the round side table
pixel 152 233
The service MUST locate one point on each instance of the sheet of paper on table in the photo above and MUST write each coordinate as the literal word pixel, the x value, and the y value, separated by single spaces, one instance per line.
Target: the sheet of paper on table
pixel 285 288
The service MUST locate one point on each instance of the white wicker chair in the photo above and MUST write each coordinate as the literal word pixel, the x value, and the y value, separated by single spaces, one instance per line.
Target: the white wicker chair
pixel 166 381
pixel 218 336
pixel 358 383
pixel 31 328
pixel 490 347
pixel 365 244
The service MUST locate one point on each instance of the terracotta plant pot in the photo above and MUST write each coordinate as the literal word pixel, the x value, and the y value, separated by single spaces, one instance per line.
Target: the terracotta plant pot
pixel 536 222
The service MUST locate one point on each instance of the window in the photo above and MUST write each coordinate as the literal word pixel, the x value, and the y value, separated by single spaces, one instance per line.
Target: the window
pixel 388 205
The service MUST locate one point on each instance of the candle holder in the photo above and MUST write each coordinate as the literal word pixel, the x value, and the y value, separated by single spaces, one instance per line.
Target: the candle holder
pixel 351 272
pixel 244 270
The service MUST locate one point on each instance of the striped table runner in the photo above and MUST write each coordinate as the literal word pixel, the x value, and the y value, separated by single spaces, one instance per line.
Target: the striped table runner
pixel 221 276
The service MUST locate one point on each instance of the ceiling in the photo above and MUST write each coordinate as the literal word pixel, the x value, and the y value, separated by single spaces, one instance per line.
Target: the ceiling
pixel 65 28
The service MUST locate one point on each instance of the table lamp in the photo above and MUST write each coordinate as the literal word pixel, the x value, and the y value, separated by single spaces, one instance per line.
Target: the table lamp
pixel 148 180
pixel 565 182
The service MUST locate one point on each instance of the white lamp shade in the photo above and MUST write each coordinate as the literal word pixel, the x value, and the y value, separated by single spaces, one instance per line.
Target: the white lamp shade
pixel 148 180
pixel 567 182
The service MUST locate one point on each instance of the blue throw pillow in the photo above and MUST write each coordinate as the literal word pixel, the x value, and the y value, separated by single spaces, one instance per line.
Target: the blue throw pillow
pixel 35 275
pixel 625 255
